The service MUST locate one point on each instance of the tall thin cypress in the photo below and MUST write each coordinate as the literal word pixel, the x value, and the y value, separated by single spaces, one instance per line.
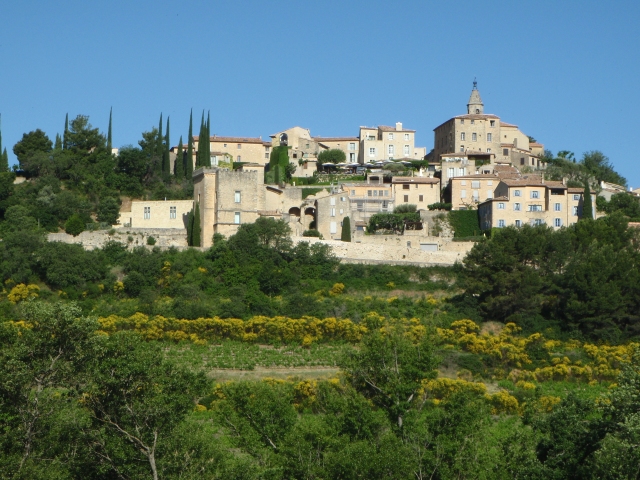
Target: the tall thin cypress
pixel 166 162
pixel 207 149
pixel 159 146
pixel 587 207
pixel 201 141
pixel 188 167
pixel 178 166
pixel 65 135
pixel 195 235
pixel 4 158
pixel 58 144
pixel 109 132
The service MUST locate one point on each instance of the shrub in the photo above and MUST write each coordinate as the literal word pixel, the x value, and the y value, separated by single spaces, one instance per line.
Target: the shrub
pixel 311 233
pixel 405 208
pixel 151 241
pixel 439 206
pixel 465 223
pixel 346 230
pixel 74 225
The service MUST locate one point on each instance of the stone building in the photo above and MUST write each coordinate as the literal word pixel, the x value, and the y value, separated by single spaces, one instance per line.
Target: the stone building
pixel 233 149
pixel 385 143
pixel 479 132
pixel 156 214
pixel 531 200
pixel 418 191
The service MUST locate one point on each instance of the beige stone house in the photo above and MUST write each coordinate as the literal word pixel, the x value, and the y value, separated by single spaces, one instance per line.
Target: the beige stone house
pixel 156 214
pixel 349 145
pixel 385 143
pixel 479 132
pixel 531 200
pixel 418 191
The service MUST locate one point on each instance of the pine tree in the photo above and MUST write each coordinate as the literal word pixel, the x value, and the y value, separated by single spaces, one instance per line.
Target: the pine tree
pixel 195 235
pixel 65 135
pixel 178 166
pixel 109 146
pixel 587 207
pixel 188 166
pixel 346 230
pixel 166 162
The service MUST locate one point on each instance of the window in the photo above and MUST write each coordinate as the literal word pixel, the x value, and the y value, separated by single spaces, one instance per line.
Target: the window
pixel 474 137
pixel 575 211
pixel 505 152
pixel 375 193
pixel 386 193
pixel 385 205
pixel 462 148
pixel 406 187
pixel 488 137
pixel 522 161
pixel 462 121
pixel 236 197
pixel 557 222
pixel 353 193
pixel 391 136
pixel 359 206
pixel 518 223
pixel 500 223
pixel 538 221
pixel 392 150
pixel 369 193
pixel 406 149
pixel 147 213
pixel 475 195
pixel 475 184
pixel 333 227
pixel 239 146
pixel 500 205
pixel 516 193
pixel 516 207
pixel 489 183
pixel 352 146
pixel 406 199
pixel 332 201
pixel 462 136
pixel 420 198
pixel 172 212
pixel 472 122
pixel 214 160
pixel 492 123
pixel 488 150
pixel 535 208
pixel 489 193
pixel 463 194
pixel 576 198
pixel 236 218
pixel 535 194
pixel 342 211
pixel 239 158
pixel 380 193
pixel 372 151
pixel 333 212
pixel 225 145
pixel 406 137
pixel 557 207
pixel 463 183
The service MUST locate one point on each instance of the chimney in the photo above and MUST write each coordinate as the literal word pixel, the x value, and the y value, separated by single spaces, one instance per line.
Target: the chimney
pixel 399 126
pixel 564 181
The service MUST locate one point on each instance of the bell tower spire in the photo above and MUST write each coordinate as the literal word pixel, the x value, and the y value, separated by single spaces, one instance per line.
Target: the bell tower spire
pixel 475 105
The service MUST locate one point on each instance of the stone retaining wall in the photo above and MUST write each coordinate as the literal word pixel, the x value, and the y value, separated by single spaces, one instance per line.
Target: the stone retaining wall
pixel 133 237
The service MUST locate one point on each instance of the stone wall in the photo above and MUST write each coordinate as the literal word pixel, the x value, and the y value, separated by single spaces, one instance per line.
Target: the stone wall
pixel 132 237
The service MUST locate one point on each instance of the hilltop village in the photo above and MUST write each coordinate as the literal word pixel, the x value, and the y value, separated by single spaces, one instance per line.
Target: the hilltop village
pixel 478 162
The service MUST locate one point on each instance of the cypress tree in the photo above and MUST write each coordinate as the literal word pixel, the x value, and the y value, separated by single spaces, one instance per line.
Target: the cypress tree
pixel 159 146
pixel 109 132
pixel 188 166
pixel 190 228
pixel 166 162
pixel 587 207
pixel 58 144
pixel 207 148
pixel 65 135
pixel 195 235
pixel 178 166
pixel 4 167
pixel 201 142
pixel 346 230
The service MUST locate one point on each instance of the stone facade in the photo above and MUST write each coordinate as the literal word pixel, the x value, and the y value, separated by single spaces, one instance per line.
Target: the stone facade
pixel 233 149
pixel 418 191
pixel 156 214
pixel 532 200
pixel 384 143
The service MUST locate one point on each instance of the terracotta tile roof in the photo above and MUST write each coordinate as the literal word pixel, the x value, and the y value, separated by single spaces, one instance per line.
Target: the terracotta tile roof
pixel 575 190
pixel 216 138
pixel 532 182
pixel 479 176
pixel 414 180
pixel 386 128
pixel 335 139
pixel 476 116
pixel 505 124
pixel 535 144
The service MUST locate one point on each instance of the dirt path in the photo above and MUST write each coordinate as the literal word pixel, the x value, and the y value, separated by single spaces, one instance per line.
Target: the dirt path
pixel 258 373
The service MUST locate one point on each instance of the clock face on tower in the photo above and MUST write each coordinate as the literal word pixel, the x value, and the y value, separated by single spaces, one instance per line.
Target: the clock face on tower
pixel 284 139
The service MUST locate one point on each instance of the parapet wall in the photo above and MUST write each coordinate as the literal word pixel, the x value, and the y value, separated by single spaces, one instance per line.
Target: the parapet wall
pixel 132 237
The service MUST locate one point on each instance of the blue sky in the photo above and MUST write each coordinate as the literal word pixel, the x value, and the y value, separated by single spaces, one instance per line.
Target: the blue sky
pixel 565 72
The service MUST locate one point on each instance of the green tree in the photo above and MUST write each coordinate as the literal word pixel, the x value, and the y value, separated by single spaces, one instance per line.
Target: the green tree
pixel 109 142
pixel 598 165
pixel 188 166
pixel 179 164
pixel 32 142
pixel 65 133
pixel 166 162
pixel 74 225
pixel 4 159
pixel 346 230
pixel 82 138
pixel 388 369
pixel 196 230
pixel 587 207
pixel 624 203
pixel 333 155
pixel 108 210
